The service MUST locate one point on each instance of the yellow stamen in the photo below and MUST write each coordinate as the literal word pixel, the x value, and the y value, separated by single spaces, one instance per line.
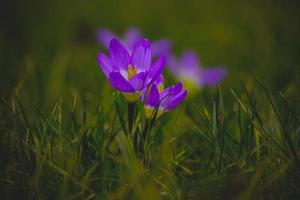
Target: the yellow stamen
pixel 160 88
pixel 131 71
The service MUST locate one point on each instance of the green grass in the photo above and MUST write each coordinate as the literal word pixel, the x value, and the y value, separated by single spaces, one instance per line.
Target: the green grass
pixel 230 147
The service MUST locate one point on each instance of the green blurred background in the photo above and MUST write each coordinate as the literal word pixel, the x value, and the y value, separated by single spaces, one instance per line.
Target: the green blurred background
pixel 48 48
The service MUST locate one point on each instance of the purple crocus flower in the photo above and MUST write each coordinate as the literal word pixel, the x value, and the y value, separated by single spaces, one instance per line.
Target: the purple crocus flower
pixel 155 97
pixel 131 73
pixel 188 68
pixel 131 37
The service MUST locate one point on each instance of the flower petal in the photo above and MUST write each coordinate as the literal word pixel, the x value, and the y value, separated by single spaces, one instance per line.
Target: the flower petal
pixel 120 83
pixel 189 67
pixel 173 64
pixel 169 94
pixel 105 64
pixel 189 60
pixel 159 80
pixel 138 81
pixel 152 99
pixel 172 90
pixel 141 55
pixel 213 76
pixel 166 96
pixel 132 36
pixel 178 87
pixel 161 46
pixel 104 36
pixel 118 54
pixel 176 100
pixel 157 68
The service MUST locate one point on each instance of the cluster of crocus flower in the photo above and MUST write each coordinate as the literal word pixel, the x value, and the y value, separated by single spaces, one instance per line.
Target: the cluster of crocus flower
pixel 163 99
pixel 131 37
pixel 130 70
pixel 132 73
pixel 185 68
pixel 188 69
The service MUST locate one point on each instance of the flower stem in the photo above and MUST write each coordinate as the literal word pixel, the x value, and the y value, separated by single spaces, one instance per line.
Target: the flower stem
pixel 144 142
pixel 131 113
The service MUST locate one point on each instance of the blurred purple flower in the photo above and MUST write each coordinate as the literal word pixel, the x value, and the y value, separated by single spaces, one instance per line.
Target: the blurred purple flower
pixel 164 99
pixel 131 73
pixel 131 37
pixel 188 68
